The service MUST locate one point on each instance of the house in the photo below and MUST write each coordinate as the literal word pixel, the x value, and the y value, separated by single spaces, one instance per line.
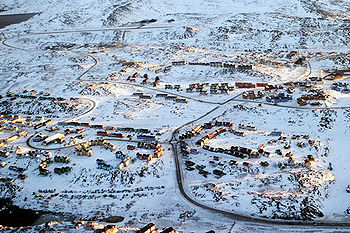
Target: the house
pixel 264 163
pixel 4 153
pixel 127 161
pixel 110 146
pixel 145 97
pixel 143 130
pixel 149 228
pixel 194 151
pixel 116 135
pixel 247 164
pixel 97 126
pixel 53 138
pixel 61 159
pixel 169 230
pixel 276 133
pixel 218 172
pixel 120 165
pixel 233 162
pixel 144 156
pixel 102 133
pixel 179 63
pixel 147 137
pixel 229 65
pixel 238 133
pixel 181 100
pixel 177 87
pixel 262 84
pixel 245 85
pixel 120 155
pixel 12 138
pixel 139 94
pixel 167 69
pixel 161 95
pixel 85 124
pixel 247 127
pixel 244 67
pixel 216 64
pixel 197 129
pixel 171 97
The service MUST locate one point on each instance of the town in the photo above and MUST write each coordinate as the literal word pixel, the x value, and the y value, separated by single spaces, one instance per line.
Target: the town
pixel 160 124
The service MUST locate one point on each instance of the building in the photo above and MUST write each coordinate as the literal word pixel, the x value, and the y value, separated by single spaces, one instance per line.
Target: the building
pixel 55 137
pixel 149 228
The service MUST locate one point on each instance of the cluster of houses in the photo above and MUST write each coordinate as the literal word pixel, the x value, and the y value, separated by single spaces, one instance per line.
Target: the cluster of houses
pixel 16 120
pixel 208 125
pixel 270 87
pixel 184 148
pixel 158 69
pixel 62 170
pixel 42 124
pixel 161 95
pixel 215 64
pixel 237 151
pixel 158 151
pixel 40 153
pixel 61 159
pixel 279 97
pixel 14 137
pixel 108 134
pixel 245 85
pixel 43 165
pixel 11 123
pixel 58 137
pixel 133 77
pixel 84 149
pixel 247 127
pixel 196 130
pixel 244 153
pixel 41 96
pixel 101 164
pixel 146 137
pixel 302 101
pixel 111 128
pixel 209 136
pixel 125 160
pixel 33 104
pixel 215 88
pixel 4 153
pixel 81 124
pixel 252 95
pixel 146 79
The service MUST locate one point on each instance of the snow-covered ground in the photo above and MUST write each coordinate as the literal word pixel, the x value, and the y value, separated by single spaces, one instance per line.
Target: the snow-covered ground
pixel 81 48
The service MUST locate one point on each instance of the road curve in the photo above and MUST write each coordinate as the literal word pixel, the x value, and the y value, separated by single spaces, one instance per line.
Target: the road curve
pixel 233 215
